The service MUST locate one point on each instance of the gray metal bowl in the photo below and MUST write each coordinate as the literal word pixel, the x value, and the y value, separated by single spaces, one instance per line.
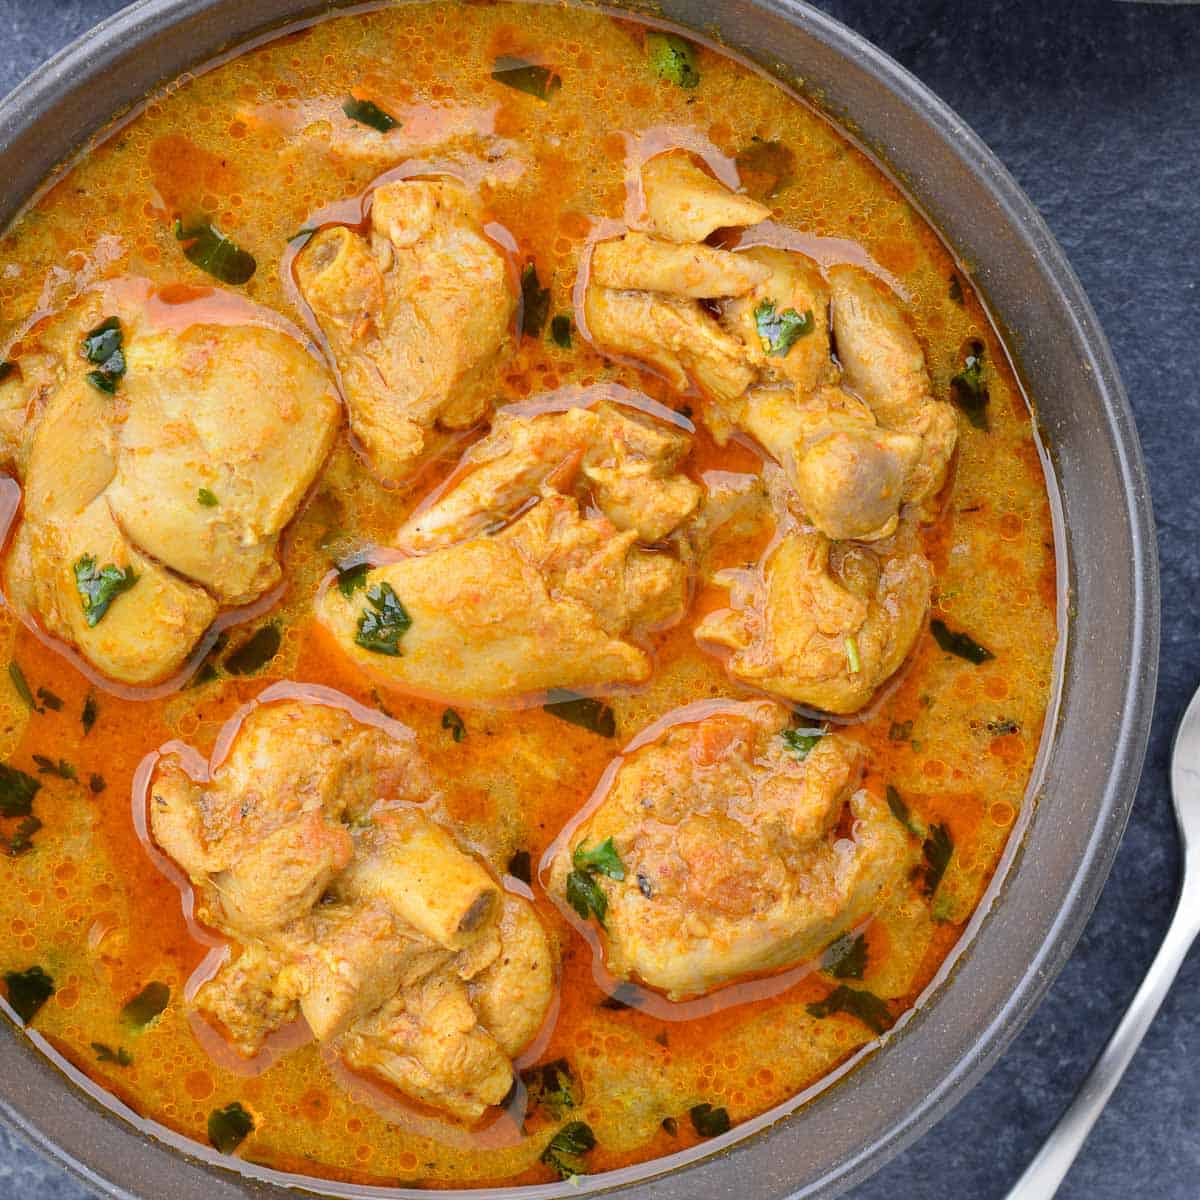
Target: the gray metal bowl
pixel 1109 585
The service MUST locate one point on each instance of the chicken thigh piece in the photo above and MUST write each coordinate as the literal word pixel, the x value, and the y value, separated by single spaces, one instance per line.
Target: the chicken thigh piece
pixel 684 203
pixel 822 624
pixel 552 601
pixel 350 906
pixel 156 486
pixel 727 853
pixel 416 313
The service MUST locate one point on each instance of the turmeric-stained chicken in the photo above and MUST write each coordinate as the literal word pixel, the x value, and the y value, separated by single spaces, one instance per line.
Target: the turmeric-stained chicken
pixel 818 622
pixel 416 313
pixel 164 443
pixel 751 329
pixel 353 907
pixel 540 566
pixel 731 844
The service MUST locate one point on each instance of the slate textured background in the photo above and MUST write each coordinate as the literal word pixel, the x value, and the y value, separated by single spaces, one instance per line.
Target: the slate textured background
pixel 1094 105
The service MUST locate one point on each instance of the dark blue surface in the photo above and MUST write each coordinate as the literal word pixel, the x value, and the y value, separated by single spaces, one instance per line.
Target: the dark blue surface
pixel 1095 108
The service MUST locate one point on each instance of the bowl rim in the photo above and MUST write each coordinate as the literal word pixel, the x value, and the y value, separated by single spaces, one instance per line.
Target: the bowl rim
pixel 76 1149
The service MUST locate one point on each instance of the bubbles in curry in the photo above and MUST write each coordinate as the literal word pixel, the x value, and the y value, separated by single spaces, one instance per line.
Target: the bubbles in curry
pixel 531 600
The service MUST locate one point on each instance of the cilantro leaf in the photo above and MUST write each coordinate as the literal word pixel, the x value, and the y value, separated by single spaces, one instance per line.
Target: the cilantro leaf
pixel 367 112
pixel 846 957
pixel 969 390
pixel 104 347
pixel 800 742
pixel 229 1127
pixel 873 1012
pixel 780 331
pixel 17 791
pixel 553 1086
pixel 560 331
pixel 28 990
pixel 603 860
pixel 98 588
pixel 206 498
pixel 938 849
pixel 673 58
pixel 586 896
pixel 106 1054
pixel 60 769
pixel 209 249
pixel 453 722
pixel 901 812
pixel 383 622
pixel 146 1005
pixel 256 651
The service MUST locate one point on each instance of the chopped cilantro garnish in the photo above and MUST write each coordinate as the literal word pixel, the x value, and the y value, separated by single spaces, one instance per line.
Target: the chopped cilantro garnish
pixel 146 1005
pixel 99 587
pixel 938 850
pixel 17 791
pixel 566 1149
pixel 780 331
pixel 106 1054
pixel 846 957
pixel 956 642
pixel 535 302
pixel 901 812
pixel 800 742
pixel 969 390
pixel 560 331
pixel 586 896
pixel 383 622
pixel 254 653
pixel 21 841
pixel 352 577
pixel 229 1127
pixel 205 497
pixel 553 1087
pixel 673 58
pixel 873 1012
pixel 28 990
pixel 61 769
pixel 103 346
pixel 602 860
pixel 708 1121
pixel 367 112
pixel 210 250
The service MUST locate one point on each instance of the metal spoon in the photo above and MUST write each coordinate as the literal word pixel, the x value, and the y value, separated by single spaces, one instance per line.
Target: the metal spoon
pixel 1046 1172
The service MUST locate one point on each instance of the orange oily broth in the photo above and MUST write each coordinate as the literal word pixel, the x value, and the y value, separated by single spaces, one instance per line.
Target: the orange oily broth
pixel 259 144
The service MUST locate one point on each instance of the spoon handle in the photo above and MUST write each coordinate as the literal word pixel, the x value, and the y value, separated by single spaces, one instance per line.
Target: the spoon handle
pixel 1043 1175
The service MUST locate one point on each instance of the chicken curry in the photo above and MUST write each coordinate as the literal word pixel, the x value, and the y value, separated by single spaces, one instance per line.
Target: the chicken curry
pixel 530 601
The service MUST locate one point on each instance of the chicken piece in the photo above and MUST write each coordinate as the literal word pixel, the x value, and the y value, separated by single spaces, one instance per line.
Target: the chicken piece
pixel 848 473
pixel 685 204
pixel 512 993
pixel 428 1041
pixel 638 262
pixel 675 337
pixel 732 852
pixel 550 602
pixel 822 624
pixel 625 460
pixel 416 315
pixel 266 836
pixel 244 412
pixel 883 362
pixel 244 999
pixel 415 866
pixel 154 495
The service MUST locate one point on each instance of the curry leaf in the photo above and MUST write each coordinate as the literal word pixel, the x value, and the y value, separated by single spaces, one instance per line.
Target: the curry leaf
pixel 846 958
pixel 99 587
pixel 146 1005
pixel 535 302
pixel 672 58
pixel 956 642
pixel 528 77
pixel 901 812
pixel 873 1012
pixel 584 711
pixel 566 1149
pixel 28 990
pixel 938 850
pixel 367 112
pixel 586 896
pixel 229 1127
pixel 210 250
pixel 553 1086
pixel 603 860
pixel 383 622
pixel 800 742
pixel 17 791
pixel 969 390
pixel 708 1121
pixel 21 841
pixel 254 653
pixel 779 331
pixel 453 722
